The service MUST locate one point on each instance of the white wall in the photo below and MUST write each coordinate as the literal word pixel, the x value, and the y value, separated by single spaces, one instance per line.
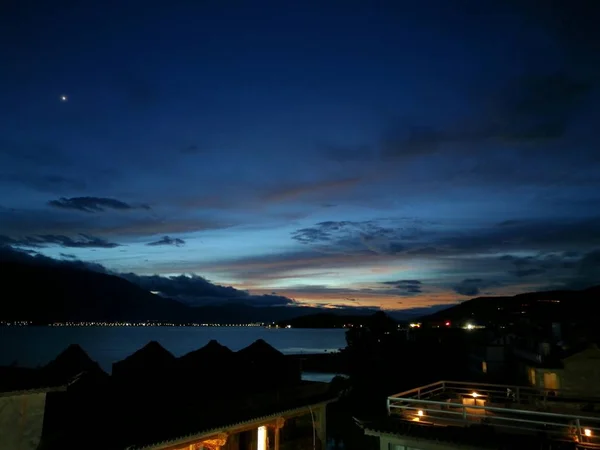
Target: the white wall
pixel 21 421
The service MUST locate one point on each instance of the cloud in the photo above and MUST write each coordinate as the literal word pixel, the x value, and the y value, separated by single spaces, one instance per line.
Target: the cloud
pixel 311 190
pixel 406 287
pixel 545 95
pixel 377 236
pixel 472 286
pixel 45 182
pixel 193 289
pixel 196 290
pixel 138 223
pixel 39 241
pixel 93 204
pixel 529 111
pixel 520 273
pixel 542 263
pixel 166 240
pixel 587 271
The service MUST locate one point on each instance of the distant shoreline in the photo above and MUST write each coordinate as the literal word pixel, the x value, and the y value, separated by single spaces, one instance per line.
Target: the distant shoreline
pixel 164 326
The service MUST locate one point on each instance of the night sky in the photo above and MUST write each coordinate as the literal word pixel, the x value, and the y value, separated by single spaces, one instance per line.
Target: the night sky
pixel 369 153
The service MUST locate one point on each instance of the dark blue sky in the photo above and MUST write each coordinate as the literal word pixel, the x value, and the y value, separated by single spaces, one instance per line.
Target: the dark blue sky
pixel 404 154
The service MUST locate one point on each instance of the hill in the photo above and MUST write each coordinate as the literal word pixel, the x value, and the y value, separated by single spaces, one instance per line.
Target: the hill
pixel 46 293
pixel 547 305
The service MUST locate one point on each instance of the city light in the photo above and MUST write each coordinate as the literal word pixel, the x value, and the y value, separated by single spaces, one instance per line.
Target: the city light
pixel 420 413
pixel 475 394
pixel 142 324
pixel 587 432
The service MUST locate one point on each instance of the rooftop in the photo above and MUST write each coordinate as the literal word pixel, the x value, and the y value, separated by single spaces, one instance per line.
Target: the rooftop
pixel 504 409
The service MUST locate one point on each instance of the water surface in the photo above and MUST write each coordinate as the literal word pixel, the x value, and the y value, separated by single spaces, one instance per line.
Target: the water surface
pixel 33 346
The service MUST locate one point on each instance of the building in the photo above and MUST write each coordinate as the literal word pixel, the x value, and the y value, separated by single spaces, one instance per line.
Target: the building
pixel 462 415
pixel 24 403
pixel 575 370
pixel 304 427
pixel 491 357
pixel 211 398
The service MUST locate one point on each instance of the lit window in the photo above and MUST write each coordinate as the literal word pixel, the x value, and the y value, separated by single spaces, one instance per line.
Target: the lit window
pixel 550 380
pixel 484 366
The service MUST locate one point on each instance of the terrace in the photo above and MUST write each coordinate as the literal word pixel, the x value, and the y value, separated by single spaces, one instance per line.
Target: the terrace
pixel 548 414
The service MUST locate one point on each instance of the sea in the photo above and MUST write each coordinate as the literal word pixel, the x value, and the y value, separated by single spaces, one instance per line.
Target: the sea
pixel 30 346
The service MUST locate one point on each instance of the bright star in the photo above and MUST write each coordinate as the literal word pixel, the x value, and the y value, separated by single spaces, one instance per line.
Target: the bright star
pixel 63 98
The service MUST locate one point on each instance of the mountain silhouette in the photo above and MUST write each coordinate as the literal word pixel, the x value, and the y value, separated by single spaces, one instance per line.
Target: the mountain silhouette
pixel 44 293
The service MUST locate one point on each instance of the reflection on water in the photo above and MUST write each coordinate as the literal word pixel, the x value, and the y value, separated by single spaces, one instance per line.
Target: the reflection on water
pixel 322 377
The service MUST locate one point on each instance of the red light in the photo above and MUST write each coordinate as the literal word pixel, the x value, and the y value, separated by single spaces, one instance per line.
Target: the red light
pixel 447 324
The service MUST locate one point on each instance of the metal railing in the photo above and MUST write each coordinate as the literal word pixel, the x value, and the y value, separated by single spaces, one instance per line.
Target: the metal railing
pixel 504 406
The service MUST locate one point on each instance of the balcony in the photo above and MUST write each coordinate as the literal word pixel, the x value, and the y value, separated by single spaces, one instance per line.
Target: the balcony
pixel 554 415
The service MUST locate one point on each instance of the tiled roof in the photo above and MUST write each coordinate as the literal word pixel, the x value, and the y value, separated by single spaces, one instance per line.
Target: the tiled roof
pixel 70 362
pixel 152 354
pixel 260 349
pixel 22 381
pixel 207 353
pixel 246 419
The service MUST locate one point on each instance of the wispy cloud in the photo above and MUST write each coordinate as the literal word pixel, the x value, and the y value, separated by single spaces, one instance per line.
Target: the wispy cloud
pixel 39 241
pixel 316 190
pixel 93 204
pixel 167 240
pixel 406 287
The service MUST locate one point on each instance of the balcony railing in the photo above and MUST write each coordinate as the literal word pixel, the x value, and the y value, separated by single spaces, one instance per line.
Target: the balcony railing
pixel 511 408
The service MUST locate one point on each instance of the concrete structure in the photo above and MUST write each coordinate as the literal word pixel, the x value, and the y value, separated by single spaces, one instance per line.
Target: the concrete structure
pixel 461 415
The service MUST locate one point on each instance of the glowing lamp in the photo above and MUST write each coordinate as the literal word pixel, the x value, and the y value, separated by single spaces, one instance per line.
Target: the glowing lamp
pixel 587 432
pixel 447 324
pixel 262 438
pixel 475 394
pixel 420 413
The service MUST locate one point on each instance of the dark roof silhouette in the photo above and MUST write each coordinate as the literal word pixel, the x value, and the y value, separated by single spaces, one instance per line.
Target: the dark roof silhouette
pixel 211 351
pixel 71 362
pixel 260 349
pixel 151 356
